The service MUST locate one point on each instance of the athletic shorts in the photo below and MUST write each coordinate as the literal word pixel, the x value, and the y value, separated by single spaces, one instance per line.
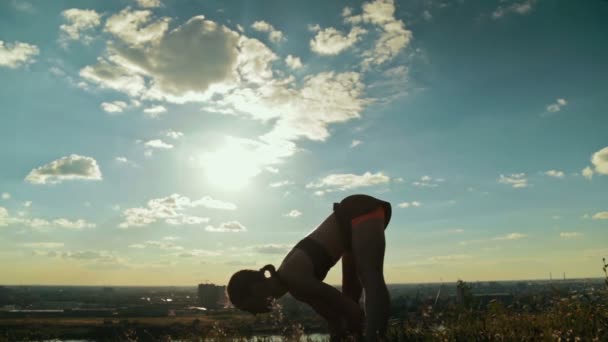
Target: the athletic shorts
pixel 356 208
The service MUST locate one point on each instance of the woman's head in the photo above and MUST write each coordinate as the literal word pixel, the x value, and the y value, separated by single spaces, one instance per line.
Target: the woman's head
pixel 247 291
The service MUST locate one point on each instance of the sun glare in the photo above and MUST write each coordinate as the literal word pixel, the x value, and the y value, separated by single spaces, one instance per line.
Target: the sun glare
pixel 230 167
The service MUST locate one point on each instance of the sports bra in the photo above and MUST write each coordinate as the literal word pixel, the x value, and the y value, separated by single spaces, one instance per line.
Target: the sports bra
pixel 321 260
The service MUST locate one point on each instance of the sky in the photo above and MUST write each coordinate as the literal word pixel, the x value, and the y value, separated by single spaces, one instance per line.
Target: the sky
pixel 166 142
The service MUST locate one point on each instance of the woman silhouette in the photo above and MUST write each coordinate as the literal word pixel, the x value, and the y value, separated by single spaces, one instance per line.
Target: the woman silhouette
pixel 354 231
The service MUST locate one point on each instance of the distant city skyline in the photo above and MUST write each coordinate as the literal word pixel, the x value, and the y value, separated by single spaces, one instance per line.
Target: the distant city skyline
pixel 166 142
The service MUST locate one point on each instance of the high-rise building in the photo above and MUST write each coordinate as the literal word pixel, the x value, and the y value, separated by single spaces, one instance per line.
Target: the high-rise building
pixel 211 296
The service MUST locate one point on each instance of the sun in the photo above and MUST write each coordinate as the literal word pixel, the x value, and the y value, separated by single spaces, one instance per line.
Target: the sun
pixel 231 167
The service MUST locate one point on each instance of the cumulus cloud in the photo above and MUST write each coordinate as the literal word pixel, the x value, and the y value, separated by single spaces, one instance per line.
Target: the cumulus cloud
pixel 603 215
pixel 114 106
pixel 14 55
pixel 557 106
pixel 147 61
pixel 348 181
pixel 516 180
pixel 600 161
pixel 77 22
pixel 148 3
pixel 274 35
pixel 555 173
pixel 521 8
pixel 171 210
pixel 72 167
pixel 5 196
pixel 393 37
pixel 227 227
pixel 409 204
pixel 330 41
pixel 355 143
pixel 294 213
pixel 587 172
pixel 159 144
pixel 293 62
pixel 570 235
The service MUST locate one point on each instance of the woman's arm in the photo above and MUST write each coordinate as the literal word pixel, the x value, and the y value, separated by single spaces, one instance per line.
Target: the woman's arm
pixel 351 286
pixel 328 299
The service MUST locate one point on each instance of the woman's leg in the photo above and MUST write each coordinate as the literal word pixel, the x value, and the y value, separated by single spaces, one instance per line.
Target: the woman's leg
pixel 368 245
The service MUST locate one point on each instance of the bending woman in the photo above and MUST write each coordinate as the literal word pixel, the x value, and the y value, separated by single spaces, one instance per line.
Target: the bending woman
pixel 354 231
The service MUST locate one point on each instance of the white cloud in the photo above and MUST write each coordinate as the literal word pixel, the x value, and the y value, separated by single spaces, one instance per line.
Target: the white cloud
pixel 227 227
pixel 121 159
pixel 294 213
pixel 428 182
pixel 233 70
pixel 393 38
pixel 148 3
pixel 427 15
pixel 156 111
pixel 42 224
pixel 570 235
pixel 512 236
pixel 148 60
pixel 27 204
pixel 114 107
pixel 72 167
pixel 157 143
pixel 76 225
pixel 211 203
pixel 5 196
pixel 128 26
pixel 272 248
pixel 555 173
pixel 137 246
pixel 164 245
pixel 274 35
pixel 603 215
pixel 293 62
pixel 171 210
pixel 516 180
pixel 557 106
pixel 14 55
pixel 587 172
pixel 198 253
pixel 522 8
pixel 600 161
pixel 330 41
pixel 355 143
pixel 347 181
pixel 174 134
pixel 45 245
pixel 79 20
pixel 409 204
pixel 280 184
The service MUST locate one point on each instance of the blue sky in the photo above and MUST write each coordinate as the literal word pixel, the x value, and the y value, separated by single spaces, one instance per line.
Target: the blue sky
pixel 168 142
